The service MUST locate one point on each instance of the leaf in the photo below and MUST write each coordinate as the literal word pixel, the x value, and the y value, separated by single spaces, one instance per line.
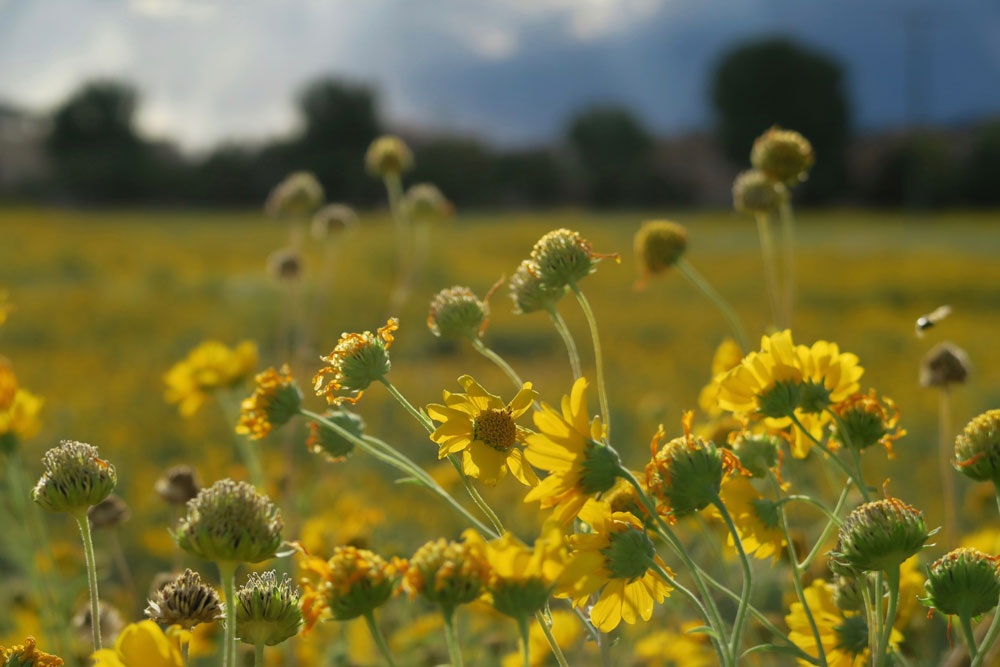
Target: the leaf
pixel 777 648
pixel 703 630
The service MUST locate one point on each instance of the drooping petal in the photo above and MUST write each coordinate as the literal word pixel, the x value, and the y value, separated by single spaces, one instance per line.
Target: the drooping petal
pixel 484 463
pixel 520 468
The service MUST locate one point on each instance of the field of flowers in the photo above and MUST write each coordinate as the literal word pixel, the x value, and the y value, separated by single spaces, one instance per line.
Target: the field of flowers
pixel 102 305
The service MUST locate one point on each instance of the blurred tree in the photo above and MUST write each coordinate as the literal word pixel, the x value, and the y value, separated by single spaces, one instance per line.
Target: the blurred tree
pixel 919 171
pixel 529 177
pixel 95 150
pixel 614 150
pixel 461 168
pixel 981 174
pixel 776 81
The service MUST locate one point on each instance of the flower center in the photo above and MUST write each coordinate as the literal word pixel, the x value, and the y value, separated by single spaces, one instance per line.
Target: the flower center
pixel 496 428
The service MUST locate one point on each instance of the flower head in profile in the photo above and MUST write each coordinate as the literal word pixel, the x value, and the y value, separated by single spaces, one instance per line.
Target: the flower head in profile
pixel 880 535
pixel 563 257
pixel 456 312
pixel 388 155
pixel 276 399
pixel 756 193
pixel 483 429
pixel 268 610
pixel 209 367
pixel 333 219
pixel 963 582
pixel 659 245
pixel 865 420
pixel 351 583
pixel 334 446
pixel 756 518
pixel 424 201
pixel 617 562
pixel 143 644
pixel 977 448
pixel 447 573
pixel 186 601
pixel 358 360
pixel 27 655
pixel 568 446
pixel 528 292
pixel 75 478
pixel 298 195
pixel 784 155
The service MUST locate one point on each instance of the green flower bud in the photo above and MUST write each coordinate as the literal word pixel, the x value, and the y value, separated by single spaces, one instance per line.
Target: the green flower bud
pixel 562 258
pixel 267 610
pixel 528 293
pixel 186 601
pixel 756 193
pixel 685 474
pixel 977 448
pixel 424 201
pixel 880 535
pixel 333 219
pixel 866 421
pixel 323 440
pixel 520 598
pixel 358 582
pixel 388 155
pixel 963 582
pixel 230 522
pixel 75 478
pixel 659 244
pixel 298 195
pixel 784 155
pixel 456 312
pixel 447 573
pixel 758 454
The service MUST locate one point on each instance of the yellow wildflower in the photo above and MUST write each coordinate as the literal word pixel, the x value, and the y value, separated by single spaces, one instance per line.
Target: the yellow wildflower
pixel 207 368
pixel 275 400
pixel 447 573
pixel 483 429
pixel 566 629
pixel 25 655
pixel 667 648
pixel 357 360
pixel 755 516
pixel 351 583
pixel 142 644
pixel 727 356
pixel 20 418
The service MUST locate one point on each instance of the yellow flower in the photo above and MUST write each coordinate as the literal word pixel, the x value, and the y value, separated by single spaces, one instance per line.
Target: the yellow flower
pixel 483 429
pixel 755 516
pixel 20 418
pixel 25 655
pixel 824 365
pixel 844 634
pixel 746 385
pixel 727 356
pixel 447 573
pixel 567 445
pixel 142 644
pixel 351 583
pixel 208 367
pixel 357 360
pixel 666 648
pixel 616 562
pixel 275 400
pixel 565 629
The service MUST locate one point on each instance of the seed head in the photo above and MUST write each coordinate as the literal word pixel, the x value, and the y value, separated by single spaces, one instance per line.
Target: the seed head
pixel 659 244
pixel 528 293
pixel 562 258
pixel 944 364
pixel 326 441
pixel 358 360
pixel 333 219
pixel 964 582
pixel 754 192
pixel 111 622
pixel 186 601
pixel 268 611
pixel 230 522
pixel 424 201
pixel 297 196
pixel 110 512
pixel 784 155
pixel 977 448
pixel 178 485
pixel 457 312
pixel 284 264
pixel 880 535
pixel 447 573
pixel 75 478
pixel 276 399
pixel 388 155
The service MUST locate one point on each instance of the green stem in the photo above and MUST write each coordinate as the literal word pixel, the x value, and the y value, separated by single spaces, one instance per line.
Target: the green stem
pixel 970 637
pixel 987 643
pixel 258 655
pixel 892 574
pixel 451 636
pixel 604 644
pixel 568 341
pixel 522 627
pixel 550 638
pixel 788 250
pixel 394 190
pixel 809 500
pixel 227 572
pixel 598 358
pixel 741 612
pixel 699 281
pixel 796 571
pixel 877 601
pixel 88 550
pixel 869 616
pixel 473 492
pixel 498 360
pixel 379 638
pixel 419 416
pixel 825 535
pixel 720 650
pixel 858 482
pixel 770 268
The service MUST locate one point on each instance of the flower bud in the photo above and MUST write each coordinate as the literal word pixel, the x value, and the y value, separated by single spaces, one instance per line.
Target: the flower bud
pixel 944 364
pixel 297 196
pixel 186 601
pixel 755 193
pixel 880 535
pixel 520 599
pixel 965 582
pixel 388 155
pixel 685 474
pixel 230 522
pixel 268 611
pixel 284 264
pixel 456 312
pixel 562 258
pixel 784 155
pixel 528 293
pixel 323 440
pixel 178 485
pixel 26 654
pixel 333 219
pixel 446 573
pixel 276 399
pixel 110 512
pixel 847 593
pixel 659 244
pixel 358 360
pixel 977 448
pixel 75 478
pixel 866 421
pixel 424 201
pixel 354 582
pixel 757 453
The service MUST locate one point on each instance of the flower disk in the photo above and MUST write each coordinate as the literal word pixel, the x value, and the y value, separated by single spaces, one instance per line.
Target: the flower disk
pixel 268 611
pixel 75 478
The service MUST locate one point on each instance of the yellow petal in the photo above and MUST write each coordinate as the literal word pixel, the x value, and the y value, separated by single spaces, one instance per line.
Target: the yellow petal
pixel 520 469
pixel 607 613
pixel 520 403
pixel 484 463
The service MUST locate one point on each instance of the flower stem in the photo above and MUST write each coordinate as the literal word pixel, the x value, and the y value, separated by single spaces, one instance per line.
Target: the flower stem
pixel 394 190
pixel 550 638
pixel 379 638
pixel 699 281
pixel 481 348
pixel 788 251
pixel 870 612
pixel 227 572
pixel 473 492
pixel 258 655
pixel 987 643
pixel 451 637
pixel 567 336
pixel 970 638
pixel 851 474
pixel 720 650
pixel 522 627
pixel 770 268
pixel 945 450
pixel 892 576
pixel 598 357
pixel 88 550
pixel 419 416
pixel 804 565
pixel 741 612
pixel 796 570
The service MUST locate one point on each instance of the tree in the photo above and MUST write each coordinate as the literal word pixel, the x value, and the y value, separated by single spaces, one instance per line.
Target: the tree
pixel 982 171
pixel 777 81
pixel 613 148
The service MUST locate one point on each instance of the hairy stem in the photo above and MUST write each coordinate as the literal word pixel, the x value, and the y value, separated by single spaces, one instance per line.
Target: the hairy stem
pixel 481 348
pixel 88 550
pixel 451 636
pixel 227 572
pixel 550 638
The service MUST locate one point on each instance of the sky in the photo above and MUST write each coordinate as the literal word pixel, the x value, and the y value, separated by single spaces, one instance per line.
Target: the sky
pixel 512 71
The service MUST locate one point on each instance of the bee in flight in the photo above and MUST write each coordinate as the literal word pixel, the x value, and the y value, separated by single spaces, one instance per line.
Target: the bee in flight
pixel 925 322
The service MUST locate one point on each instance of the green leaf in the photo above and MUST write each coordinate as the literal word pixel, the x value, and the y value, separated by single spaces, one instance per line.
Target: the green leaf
pixel 777 648
pixel 703 630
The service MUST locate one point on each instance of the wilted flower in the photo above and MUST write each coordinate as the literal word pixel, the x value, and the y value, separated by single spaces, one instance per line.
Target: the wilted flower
pixel 865 421
pixel 358 360
pixel 963 582
pixel 186 601
pixel 285 264
pixel 178 485
pixel 944 364
pixel 756 193
pixel 297 196
pixel 352 583
pixel 784 155
pixel 110 512
pixel 75 478
pixel 685 474
pixel 276 399
pixel 386 155
pixel 446 573
pixel 111 622
pixel 267 610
